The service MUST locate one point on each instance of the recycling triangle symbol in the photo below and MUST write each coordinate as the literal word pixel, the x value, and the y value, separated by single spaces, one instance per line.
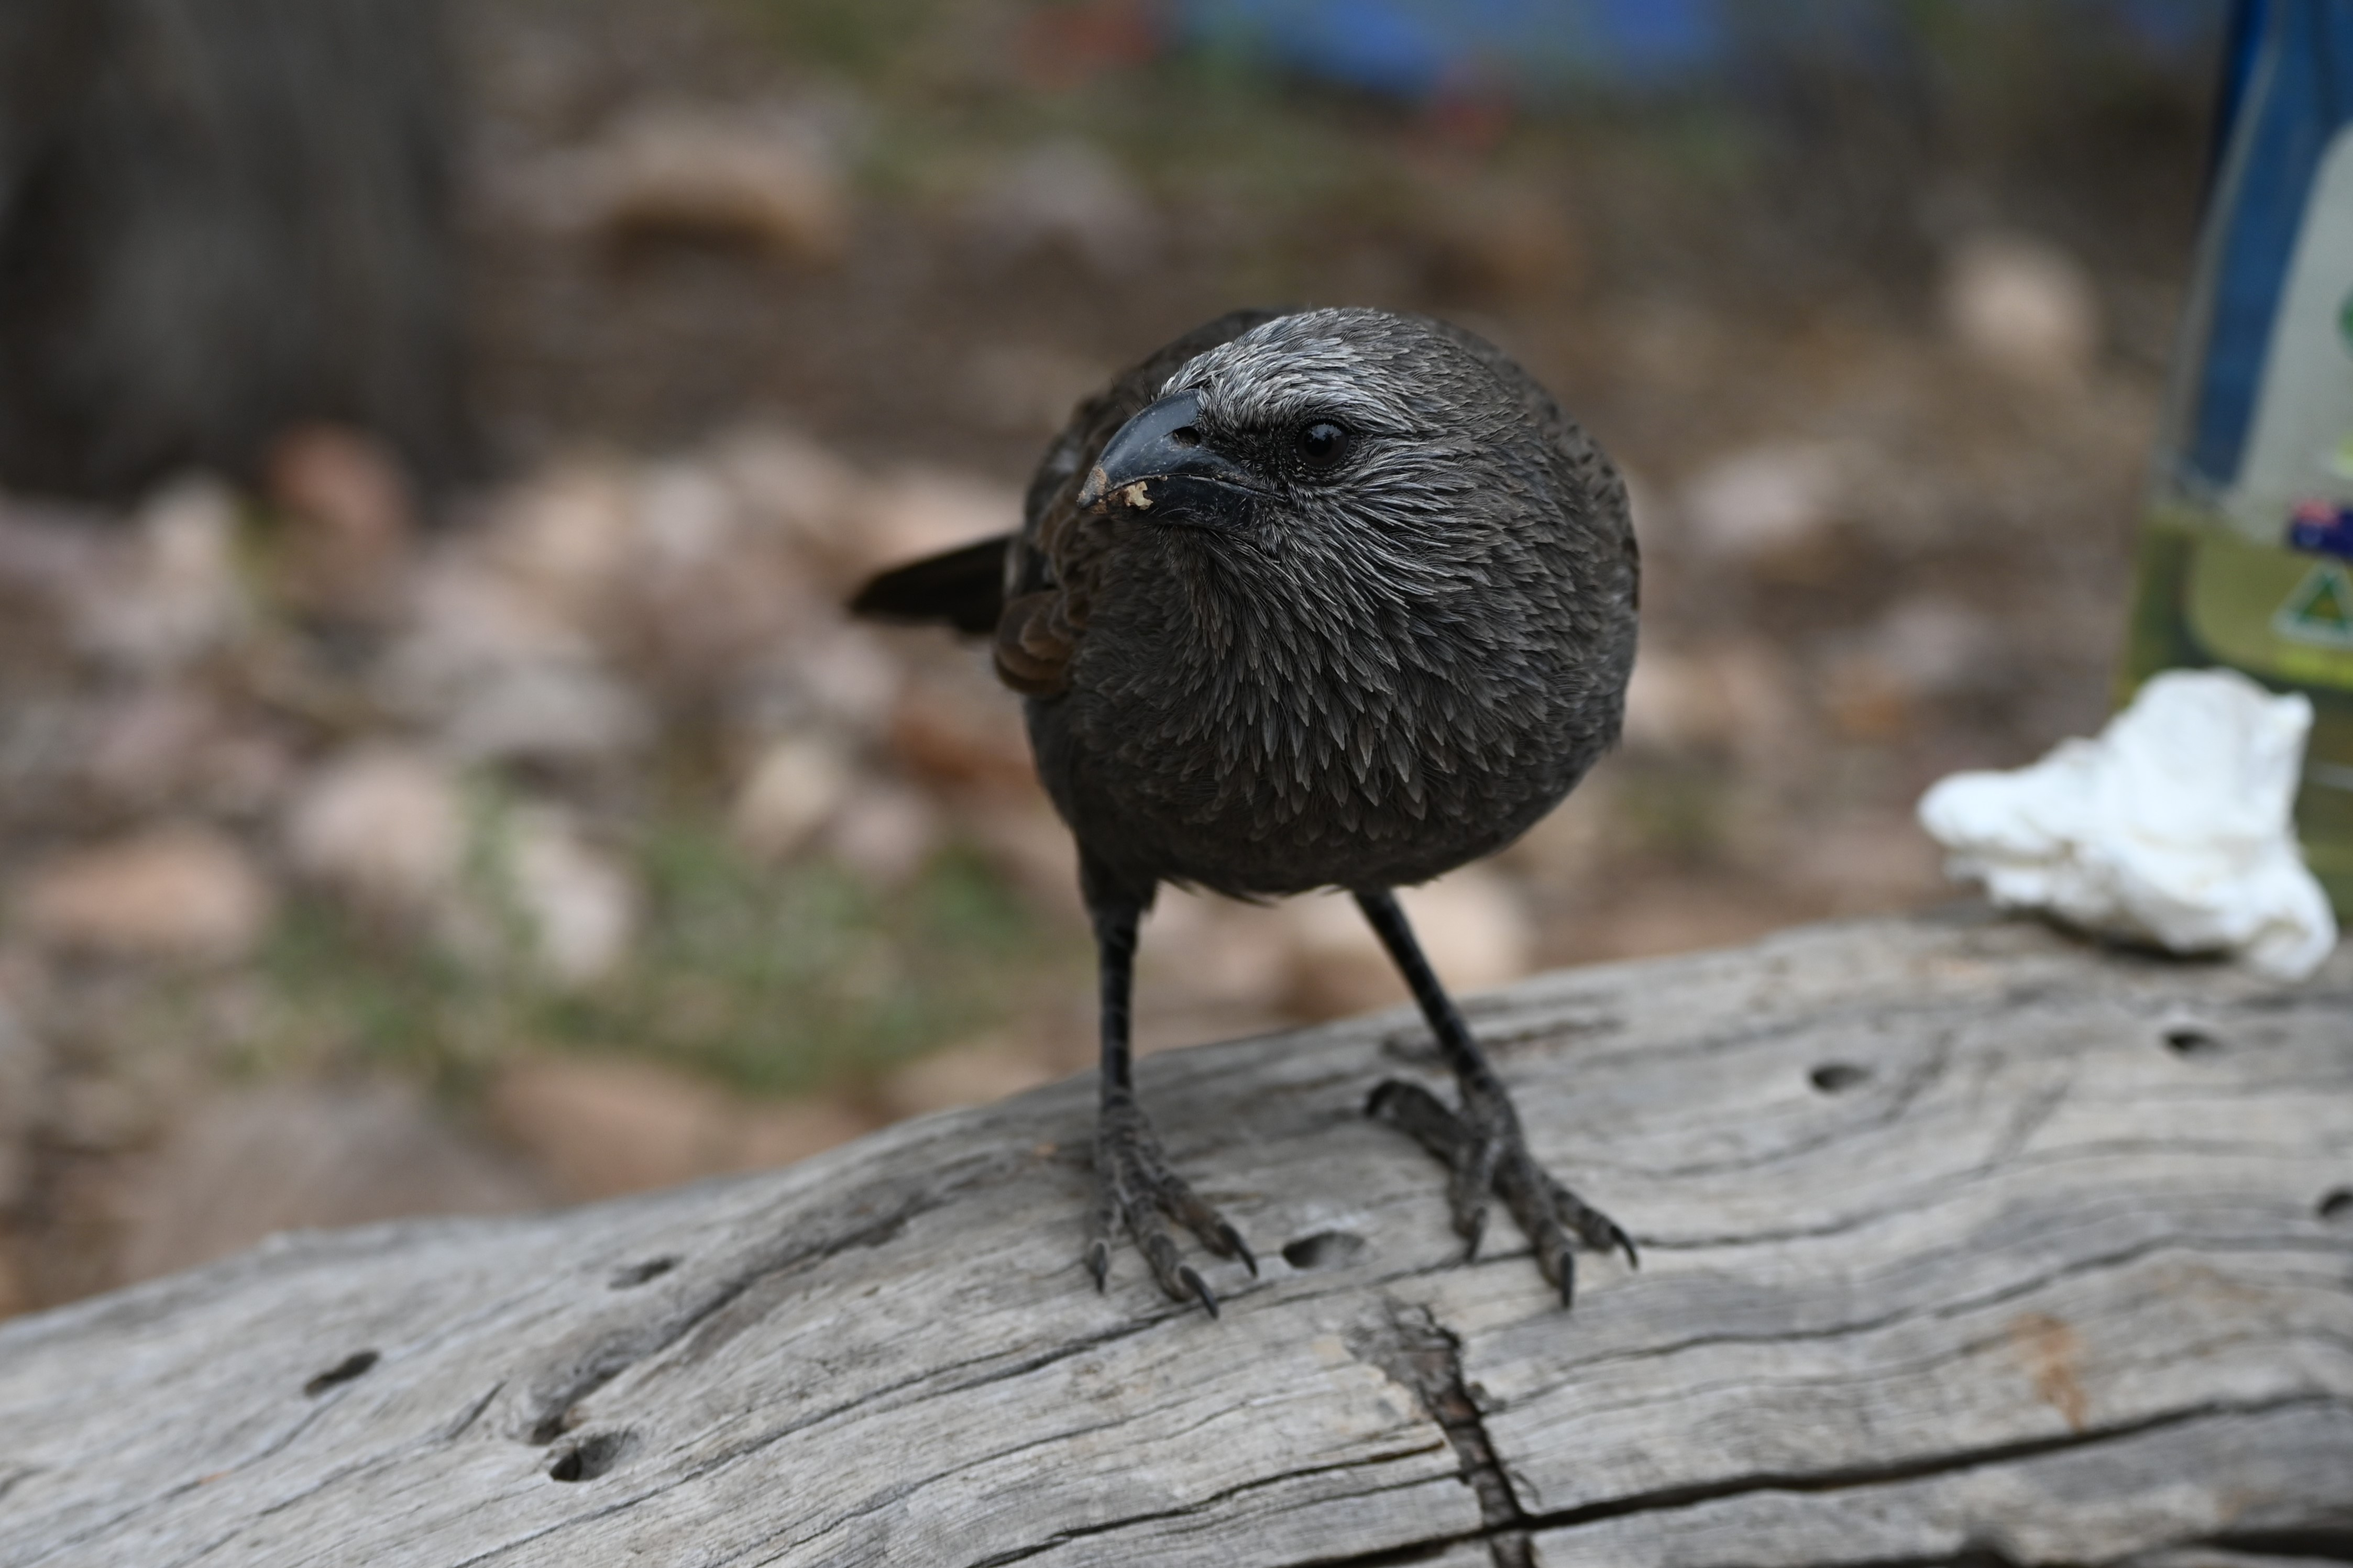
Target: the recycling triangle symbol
pixel 2321 608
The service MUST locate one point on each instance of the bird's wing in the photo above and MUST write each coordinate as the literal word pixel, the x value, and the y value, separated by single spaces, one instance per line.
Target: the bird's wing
pixel 1050 577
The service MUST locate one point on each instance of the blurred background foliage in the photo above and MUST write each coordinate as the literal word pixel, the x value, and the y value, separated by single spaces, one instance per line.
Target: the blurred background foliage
pixel 457 788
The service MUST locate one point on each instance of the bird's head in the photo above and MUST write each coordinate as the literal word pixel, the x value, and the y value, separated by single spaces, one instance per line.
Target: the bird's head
pixel 1337 450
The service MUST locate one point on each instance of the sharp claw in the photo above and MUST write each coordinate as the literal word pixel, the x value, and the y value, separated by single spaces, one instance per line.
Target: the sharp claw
pixel 1626 1244
pixel 1194 1282
pixel 1238 1247
pixel 1099 1263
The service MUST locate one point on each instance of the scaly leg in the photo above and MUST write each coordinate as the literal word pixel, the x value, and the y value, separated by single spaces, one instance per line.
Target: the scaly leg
pixel 1133 1181
pixel 1482 1145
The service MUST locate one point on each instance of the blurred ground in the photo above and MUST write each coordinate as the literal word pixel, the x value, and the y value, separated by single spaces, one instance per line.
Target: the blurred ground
pixel 362 856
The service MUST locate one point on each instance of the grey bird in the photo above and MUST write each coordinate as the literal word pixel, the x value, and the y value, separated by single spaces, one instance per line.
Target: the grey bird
pixel 1334 598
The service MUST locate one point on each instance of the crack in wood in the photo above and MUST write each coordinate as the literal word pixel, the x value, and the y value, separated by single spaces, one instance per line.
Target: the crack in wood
pixel 1416 1350
pixel 1195 1506
pixel 1860 1477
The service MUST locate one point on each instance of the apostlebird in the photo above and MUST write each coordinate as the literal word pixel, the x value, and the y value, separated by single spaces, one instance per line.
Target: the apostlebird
pixel 1334 598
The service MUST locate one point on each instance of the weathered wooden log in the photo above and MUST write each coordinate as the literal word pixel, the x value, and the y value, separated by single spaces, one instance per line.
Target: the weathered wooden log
pixel 1962 1242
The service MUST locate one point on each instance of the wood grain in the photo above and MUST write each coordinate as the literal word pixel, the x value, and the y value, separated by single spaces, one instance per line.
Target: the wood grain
pixel 1962 1242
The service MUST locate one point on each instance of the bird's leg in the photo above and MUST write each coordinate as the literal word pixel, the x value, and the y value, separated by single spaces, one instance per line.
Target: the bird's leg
pixel 1133 1181
pixel 1482 1144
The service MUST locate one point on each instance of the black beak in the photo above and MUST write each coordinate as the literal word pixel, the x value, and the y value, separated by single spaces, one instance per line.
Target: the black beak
pixel 1157 469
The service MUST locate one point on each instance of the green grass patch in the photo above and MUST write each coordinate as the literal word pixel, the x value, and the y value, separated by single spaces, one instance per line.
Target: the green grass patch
pixel 775 981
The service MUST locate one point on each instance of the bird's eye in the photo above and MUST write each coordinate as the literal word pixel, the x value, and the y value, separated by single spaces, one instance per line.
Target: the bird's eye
pixel 1322 444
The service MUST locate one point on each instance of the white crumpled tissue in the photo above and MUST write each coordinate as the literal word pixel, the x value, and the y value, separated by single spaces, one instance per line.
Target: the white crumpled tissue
pixel 2173 827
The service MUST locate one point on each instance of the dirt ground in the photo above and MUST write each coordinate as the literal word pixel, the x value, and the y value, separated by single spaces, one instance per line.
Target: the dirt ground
pixel 367 855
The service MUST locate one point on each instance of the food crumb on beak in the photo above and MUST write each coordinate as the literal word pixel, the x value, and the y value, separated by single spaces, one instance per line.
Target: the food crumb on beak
pixel 1135 495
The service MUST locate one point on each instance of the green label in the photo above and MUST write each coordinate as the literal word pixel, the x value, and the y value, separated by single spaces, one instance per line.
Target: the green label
pixel 2276 613
pixel 2320 610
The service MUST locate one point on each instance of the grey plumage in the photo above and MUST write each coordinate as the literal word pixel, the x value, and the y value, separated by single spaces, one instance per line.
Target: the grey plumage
pixel 1390 669
pixel 1334 598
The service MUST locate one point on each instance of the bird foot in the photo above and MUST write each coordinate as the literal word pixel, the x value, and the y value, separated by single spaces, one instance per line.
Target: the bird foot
pixel 1484 1147
pixel 1135 1184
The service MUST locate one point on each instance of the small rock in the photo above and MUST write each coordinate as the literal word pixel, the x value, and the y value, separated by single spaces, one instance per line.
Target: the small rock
pixel 1028 387
pixel 23 1067
pixel 604 1126
pixel 845 675
pixel 178 893
pixel 16 1286
pixel 751 176
pixel 1765 500
pixel 773 1135
pixel 1199 949
pixel 99 1115
pixel 170 743
pixel 566 537
pixel 1473 927
pixel 53 554
pixel 247 1163
pixel 383 826
pixel 177 594
pixel 2022 306
pixel 787 482
pixel 1028 844
pixel 707 593
pixel 1937 645
pixel 1070 195
pixel 566 712
pixel 353 520
pixel 1509 238
pixel 147 750
pixel 966 734
pixel 471 625
pixel 686 519
pixel 885 833
pixel 1568 844
pixel 1869 863
pixel 979 1073
pixel 922 513
pixel 536 895
pixel 1922 649
pixel 1673 702
pixel 580 905
pixel 796 786
pixel 244 774
pixel 1772 732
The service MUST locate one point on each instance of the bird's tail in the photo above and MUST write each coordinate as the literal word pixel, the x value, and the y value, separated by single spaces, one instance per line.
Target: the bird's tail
pixel 964 588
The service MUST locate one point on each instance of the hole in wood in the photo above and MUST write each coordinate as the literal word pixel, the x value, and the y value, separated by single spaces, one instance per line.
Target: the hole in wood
pixel 343 1371
pixel 1837 1078
pixel 2186 1040
pixel 589 1458
pixel 1325 1249
pixel 639 1273
pixel 2336 1206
